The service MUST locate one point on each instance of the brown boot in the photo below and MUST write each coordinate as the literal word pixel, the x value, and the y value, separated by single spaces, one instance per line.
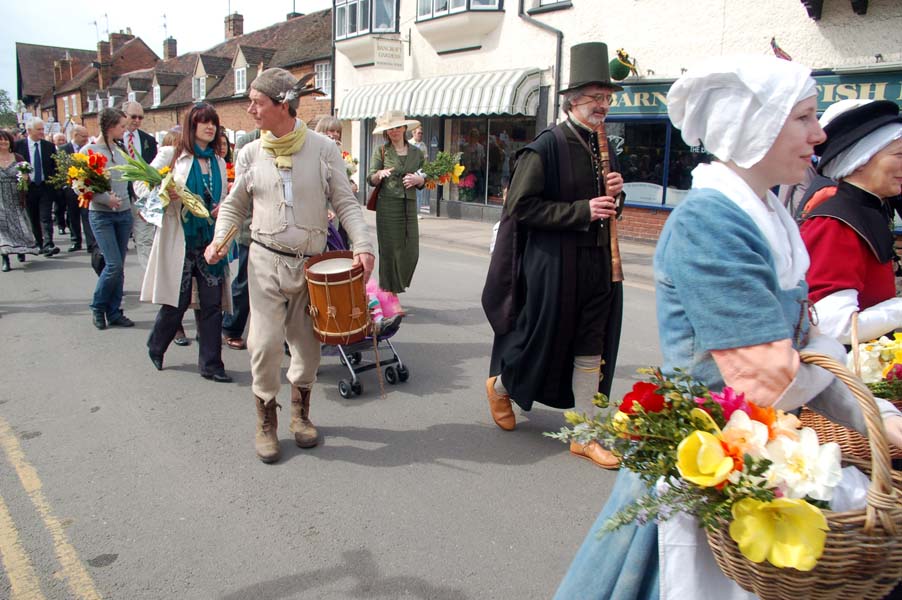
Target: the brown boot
pixel 266 441
pixel 500 406
pixel 305 434
pixel 595 452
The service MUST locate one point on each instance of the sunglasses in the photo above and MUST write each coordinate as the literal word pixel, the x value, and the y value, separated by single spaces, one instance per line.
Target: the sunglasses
pixel 136 117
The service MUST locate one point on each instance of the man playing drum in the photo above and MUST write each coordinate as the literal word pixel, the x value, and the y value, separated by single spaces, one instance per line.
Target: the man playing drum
pixel 289 176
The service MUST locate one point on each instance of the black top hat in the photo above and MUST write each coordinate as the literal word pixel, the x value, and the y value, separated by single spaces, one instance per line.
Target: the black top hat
pixel 852 125
pixel 589 65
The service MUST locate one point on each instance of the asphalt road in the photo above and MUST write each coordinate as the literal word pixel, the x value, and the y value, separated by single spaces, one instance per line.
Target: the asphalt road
pixel 118 481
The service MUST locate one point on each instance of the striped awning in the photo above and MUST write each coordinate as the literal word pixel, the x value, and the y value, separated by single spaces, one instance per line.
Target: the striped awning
pixel 512 92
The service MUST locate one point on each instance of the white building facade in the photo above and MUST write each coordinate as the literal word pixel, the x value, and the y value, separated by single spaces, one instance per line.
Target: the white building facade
pixel 482 76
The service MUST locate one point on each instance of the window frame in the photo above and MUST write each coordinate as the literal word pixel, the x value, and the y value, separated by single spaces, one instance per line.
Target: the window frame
pixel 326 68
pixel 157 95
pixel 74 103
pixel 365 13
pixel 198 88
pixel 468 6
pixel 132 97
pixel 240 76
pixel 66 106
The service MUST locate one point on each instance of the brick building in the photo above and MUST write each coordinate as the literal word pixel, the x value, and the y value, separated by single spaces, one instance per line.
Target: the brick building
pixel 38 68
pixel 221 75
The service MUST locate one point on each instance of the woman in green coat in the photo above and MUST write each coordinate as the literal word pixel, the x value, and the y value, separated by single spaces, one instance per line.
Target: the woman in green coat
pixel 396 164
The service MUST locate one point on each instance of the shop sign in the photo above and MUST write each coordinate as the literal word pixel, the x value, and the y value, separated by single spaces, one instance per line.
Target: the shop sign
pixel 651 99
pixel 389 54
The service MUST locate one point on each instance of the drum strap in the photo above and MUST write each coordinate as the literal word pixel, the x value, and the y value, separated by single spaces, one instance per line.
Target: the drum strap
pixel 282 252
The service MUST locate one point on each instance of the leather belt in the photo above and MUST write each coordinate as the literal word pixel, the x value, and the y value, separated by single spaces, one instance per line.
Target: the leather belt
pixel 282 252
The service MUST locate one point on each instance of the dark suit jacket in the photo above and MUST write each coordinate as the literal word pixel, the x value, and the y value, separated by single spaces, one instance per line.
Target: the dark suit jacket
pixel 68 148
pixel 148 153
pixel 48 165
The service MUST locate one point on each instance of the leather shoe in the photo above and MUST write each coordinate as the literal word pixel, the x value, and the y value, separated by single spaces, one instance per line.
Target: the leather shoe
pixel 594 451
pixel 20 257
pixel 50 251
pixel 121 321
pixel 156 360
pixel 218 377
pixel 74 248
pixel 235 343
pixel 181 339
pixel 99 320
pixel 500 406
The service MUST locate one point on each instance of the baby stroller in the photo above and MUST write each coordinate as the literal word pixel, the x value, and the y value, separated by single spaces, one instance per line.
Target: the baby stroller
pixel 351 356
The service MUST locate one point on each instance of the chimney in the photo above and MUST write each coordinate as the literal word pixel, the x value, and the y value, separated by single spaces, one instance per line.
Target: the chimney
pixel 117 40
pixel 234 26
pixel 103 64
pixel 170 48
pixel 293 15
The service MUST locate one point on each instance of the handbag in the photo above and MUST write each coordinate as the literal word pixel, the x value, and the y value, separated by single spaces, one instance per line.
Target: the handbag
pixel 374 195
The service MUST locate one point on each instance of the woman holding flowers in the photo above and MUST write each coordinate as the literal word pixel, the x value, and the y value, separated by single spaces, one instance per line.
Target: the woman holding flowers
pixel 177 255
pixel 732 312
pixel 15 234
pixel 110 216
pixel 396 164
pixel 849 233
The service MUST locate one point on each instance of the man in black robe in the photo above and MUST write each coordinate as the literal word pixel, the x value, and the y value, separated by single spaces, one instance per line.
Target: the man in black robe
pixel 549 295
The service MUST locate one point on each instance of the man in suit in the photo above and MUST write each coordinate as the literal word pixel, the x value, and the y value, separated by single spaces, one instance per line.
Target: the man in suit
pixel 39 201
pixel 78 217
pixel 136 143
pixel 59 197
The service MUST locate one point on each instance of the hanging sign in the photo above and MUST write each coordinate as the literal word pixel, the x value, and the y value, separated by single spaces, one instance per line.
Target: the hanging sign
pixel 389 54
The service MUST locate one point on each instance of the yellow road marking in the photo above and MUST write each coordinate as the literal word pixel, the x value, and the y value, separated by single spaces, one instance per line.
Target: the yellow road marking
pixel 22 578
pixel 74 572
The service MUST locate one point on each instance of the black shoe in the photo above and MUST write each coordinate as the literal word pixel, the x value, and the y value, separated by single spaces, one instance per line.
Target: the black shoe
pixel 156 360
pixel 181 340
pixel 50 251
pixel 74 248
pixel 5 268
pixel 121 321
pixel 218 377
pixel 388 327
pixel 62 230
pixel 99 320
pixel 20 257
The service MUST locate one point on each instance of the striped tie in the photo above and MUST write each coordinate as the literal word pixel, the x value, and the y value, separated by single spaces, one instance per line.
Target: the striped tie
pixel 131 144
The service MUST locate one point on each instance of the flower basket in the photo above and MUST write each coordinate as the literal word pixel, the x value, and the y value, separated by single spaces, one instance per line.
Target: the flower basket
pixel 862 555
pixel 851 442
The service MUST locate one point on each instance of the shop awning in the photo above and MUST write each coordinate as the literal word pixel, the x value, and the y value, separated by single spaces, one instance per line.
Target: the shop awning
pixel 511 92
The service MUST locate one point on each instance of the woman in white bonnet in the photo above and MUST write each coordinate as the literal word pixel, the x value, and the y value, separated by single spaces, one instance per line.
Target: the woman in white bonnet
pixel 730 291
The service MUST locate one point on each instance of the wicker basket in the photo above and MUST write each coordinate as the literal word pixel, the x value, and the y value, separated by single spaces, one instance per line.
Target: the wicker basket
pixel 850 442
pixel 863 552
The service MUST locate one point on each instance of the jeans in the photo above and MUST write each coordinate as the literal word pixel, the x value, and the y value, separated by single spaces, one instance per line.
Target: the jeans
pixel 111 232
pixel 233 323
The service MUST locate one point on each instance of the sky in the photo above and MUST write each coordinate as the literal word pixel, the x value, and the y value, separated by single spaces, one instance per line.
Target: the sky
pixel 195 24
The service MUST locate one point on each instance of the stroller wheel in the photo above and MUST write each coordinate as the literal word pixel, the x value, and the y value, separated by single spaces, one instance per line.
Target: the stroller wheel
pixel 344 389
pixel 356 357
pixel 391 375
pixel 357 388
pixel 403 374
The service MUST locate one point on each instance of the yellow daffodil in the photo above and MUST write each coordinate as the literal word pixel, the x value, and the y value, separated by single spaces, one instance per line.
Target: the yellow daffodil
pixel 702 460
pixel 458 171
pixel 79 156
pixel 621 423
pixel 72 172
pixel 787 532
pixel 165 170
pixel 704 421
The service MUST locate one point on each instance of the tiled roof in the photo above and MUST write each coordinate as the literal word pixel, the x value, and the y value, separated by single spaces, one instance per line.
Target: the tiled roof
pixel 254 56
pixel 216 66
pixel 35 65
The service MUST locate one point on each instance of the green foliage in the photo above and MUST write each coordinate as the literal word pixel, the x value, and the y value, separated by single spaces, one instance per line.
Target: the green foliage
pixel 442 165
pixel 7 110
pixel 60 179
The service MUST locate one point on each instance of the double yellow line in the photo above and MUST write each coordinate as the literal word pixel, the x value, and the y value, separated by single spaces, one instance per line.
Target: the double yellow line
pixel 24 582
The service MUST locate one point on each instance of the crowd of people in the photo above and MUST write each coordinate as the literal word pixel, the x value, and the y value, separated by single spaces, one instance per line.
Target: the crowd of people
pixel 552 295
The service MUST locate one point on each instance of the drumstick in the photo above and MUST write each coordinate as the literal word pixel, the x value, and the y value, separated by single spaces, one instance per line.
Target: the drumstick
pixel 229 236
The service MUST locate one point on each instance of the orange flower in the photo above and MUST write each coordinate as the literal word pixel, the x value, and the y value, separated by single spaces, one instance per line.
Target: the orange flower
pixel 430 184
pixel 763 415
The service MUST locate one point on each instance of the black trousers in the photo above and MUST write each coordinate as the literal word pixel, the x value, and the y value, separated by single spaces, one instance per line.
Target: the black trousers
pixel 39 208
pixel 79 226
pixel 209 323
pixel 60 208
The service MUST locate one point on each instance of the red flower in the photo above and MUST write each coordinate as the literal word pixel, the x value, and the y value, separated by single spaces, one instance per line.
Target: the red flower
pixel 645 395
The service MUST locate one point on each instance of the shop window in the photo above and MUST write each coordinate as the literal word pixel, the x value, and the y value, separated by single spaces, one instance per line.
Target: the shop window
pixel 654 171
pixel 488 147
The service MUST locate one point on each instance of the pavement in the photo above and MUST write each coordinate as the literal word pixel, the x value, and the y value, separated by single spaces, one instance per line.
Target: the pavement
pixel 474 237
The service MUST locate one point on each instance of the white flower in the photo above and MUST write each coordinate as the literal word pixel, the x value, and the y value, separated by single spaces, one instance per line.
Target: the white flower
pixel 803 467
pixel 745 434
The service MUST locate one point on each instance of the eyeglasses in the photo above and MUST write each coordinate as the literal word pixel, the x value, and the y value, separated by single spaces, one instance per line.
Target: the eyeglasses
pixel 136 117
pixel 598 98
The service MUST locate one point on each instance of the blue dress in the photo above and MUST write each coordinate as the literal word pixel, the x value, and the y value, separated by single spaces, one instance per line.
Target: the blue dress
pixel 707 241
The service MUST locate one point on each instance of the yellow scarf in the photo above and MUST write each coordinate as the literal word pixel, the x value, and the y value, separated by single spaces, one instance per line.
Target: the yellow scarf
pixel 283 147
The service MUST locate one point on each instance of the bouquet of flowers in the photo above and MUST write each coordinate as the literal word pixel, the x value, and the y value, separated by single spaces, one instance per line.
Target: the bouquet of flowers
pixel 879 363
pixel 350 163
pixel 87 175
pixel 724 460
pixel 444 169
pixel 230 172
pixel 160 181
pixel 23 175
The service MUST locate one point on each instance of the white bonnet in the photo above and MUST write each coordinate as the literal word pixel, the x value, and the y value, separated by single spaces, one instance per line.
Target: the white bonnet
pixel 737 105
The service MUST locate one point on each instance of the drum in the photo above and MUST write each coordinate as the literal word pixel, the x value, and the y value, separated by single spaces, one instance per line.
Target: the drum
pixel 338 304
